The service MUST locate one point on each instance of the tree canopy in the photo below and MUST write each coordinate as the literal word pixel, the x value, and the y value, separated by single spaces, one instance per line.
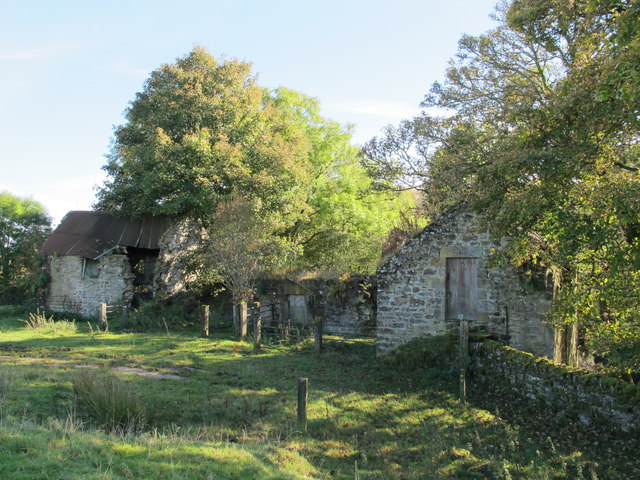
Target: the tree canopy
pixel 203 132
pixel 24 226
pixel 541 137
pixel 199 132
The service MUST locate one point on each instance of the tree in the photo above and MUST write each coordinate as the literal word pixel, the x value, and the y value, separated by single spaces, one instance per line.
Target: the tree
pixel 200 132
pixel 203 132
pixel 24 226
pixel 347 221
pixel 244 241
pixel 542 139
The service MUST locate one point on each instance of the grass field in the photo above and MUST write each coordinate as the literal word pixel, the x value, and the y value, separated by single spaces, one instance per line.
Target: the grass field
pixel 215 408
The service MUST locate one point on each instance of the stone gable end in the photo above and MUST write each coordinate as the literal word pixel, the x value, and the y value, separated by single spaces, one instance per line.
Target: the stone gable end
pixel 412 289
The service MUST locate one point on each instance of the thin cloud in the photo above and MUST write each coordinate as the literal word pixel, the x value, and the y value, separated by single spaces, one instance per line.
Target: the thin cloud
pixel 38 52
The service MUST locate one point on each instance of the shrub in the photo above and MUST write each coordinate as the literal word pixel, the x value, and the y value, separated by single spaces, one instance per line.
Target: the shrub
pixel 163 315
pixel 110 402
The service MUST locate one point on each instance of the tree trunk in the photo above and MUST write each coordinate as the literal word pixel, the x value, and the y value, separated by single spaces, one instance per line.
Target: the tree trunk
pixel 559 344
pixel 242 319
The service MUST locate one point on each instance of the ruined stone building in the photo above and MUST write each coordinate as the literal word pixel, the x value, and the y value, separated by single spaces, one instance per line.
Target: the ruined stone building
pixel 93 257
pixel 445 275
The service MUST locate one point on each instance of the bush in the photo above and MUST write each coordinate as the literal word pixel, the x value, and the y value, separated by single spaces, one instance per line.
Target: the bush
pixel 110 402
pixel 173 314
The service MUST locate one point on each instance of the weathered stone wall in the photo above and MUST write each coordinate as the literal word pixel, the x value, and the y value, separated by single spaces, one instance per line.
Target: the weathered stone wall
pixel 577 394
pixel 411 298
pixel 347 307
pixel 70 291
pixel 176 243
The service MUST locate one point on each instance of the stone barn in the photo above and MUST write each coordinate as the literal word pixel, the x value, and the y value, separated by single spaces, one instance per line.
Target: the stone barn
pixel 445 275
pixel 93 257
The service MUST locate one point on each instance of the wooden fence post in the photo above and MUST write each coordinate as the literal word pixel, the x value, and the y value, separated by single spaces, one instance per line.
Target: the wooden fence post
pixel 317 323
pixel 102 321
pixel 257 326
pixel 204 320
pixel 303 384
pixel 464 356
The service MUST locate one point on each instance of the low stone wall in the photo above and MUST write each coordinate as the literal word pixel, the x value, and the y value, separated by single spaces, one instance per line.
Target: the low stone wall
pixel 346 306
pixel 578 394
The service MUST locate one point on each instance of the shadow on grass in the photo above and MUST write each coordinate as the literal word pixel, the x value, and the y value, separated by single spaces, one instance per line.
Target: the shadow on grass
pixel 363 414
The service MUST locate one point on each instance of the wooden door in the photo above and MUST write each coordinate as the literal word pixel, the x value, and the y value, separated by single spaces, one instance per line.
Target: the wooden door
pixel 462 292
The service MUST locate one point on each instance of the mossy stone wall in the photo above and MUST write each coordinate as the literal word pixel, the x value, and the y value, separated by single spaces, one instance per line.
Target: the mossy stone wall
pixel 578 394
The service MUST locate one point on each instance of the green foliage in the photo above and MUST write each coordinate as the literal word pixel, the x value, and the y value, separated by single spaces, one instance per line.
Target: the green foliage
pixel 347 220
pixel 244 241
pixel 176 314
pixel 542 141
pixel 112 403
pixel 199 132
pixel 24 226
pixel 203 134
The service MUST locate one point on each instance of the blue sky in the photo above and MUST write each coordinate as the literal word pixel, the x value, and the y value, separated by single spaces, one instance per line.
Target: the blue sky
pixel 69 68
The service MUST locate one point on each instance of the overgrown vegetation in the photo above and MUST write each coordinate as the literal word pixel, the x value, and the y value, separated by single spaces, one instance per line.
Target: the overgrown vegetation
pixel 112 403
pixel 229 412
pixel 24 226
pixel 47 325
pixel 541 139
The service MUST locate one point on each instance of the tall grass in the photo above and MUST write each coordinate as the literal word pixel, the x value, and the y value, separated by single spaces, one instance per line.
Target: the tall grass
pixel 39 321
pixel 112 403
pixel 5 382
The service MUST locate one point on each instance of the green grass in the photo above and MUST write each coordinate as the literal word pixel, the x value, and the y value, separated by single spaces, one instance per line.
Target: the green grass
pixel 233 415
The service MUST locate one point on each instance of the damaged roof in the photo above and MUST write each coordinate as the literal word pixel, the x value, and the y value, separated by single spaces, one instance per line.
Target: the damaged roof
pixel 93 234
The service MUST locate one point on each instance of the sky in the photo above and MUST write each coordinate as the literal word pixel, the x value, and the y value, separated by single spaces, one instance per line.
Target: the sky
pixel 68 69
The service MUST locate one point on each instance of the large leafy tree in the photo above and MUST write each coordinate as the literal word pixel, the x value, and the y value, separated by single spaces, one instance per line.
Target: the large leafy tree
pixel 542 138
pixel 204 132
pixel 347 221
pixel 200 132
pixel 24 226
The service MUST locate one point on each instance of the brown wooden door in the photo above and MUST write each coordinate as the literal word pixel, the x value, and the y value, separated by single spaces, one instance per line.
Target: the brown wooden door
pixel 462 292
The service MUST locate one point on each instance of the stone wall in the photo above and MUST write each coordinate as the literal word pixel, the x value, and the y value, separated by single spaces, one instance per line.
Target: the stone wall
pixel 577 394
pixel 108 280
pixel 411 297
pixel 180 239
pixel 346 306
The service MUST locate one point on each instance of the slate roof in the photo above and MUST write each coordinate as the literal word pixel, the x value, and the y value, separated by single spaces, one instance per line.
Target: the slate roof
pixel 93 234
